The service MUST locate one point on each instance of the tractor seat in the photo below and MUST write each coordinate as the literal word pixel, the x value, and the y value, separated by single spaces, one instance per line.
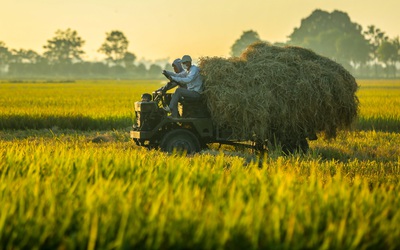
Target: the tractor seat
pixel 191 99
pixel 194 107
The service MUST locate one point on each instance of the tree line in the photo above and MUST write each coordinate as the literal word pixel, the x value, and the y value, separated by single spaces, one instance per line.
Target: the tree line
pixel 366 53
pixel 62 57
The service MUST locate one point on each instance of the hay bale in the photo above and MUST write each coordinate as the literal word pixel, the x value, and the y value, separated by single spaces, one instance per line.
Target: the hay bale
pixel 287 93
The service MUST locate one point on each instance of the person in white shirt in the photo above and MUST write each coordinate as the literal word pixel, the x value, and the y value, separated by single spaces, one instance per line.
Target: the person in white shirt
pixel 177 66
pixel 191 78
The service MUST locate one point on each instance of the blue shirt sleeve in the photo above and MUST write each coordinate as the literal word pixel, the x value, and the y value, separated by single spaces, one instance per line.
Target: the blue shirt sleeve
pixel 181 78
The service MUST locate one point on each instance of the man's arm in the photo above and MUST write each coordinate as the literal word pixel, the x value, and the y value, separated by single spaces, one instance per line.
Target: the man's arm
pixel 170 73
pixel 185 79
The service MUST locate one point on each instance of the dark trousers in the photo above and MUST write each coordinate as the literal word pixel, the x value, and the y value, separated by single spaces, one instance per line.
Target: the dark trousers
pixel 179 93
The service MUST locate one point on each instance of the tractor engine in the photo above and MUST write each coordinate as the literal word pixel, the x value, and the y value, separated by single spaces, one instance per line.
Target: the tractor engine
pixel 148 115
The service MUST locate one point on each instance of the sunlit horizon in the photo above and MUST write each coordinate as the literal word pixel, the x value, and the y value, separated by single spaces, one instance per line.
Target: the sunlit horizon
pixel 161 29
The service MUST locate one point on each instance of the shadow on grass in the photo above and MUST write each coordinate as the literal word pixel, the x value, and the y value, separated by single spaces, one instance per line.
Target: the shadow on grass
pixel 21 122
pixel 349 155
pixel 334 154
pixel 378 124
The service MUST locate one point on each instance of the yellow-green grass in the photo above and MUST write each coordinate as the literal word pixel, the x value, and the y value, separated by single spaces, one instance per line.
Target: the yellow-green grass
pixel 379 105
pixel 104 105
pixel 60 190
pixel 84 105
pixel 67 193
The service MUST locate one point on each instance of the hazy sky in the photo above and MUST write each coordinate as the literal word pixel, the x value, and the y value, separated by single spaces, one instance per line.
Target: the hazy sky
pixel 159 29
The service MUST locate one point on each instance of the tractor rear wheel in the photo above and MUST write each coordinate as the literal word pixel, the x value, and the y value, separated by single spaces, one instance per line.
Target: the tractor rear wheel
pixel 299 146
pixel 180 140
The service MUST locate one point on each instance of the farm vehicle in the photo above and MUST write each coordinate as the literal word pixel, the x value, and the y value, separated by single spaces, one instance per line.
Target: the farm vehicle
pixel 193 130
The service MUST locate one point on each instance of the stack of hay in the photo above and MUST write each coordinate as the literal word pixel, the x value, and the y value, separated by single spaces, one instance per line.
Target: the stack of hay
pixel 288 93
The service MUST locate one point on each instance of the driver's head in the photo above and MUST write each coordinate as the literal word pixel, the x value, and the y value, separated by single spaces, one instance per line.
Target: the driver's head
pixel 186 62
pixel 177 65
pixel 146 97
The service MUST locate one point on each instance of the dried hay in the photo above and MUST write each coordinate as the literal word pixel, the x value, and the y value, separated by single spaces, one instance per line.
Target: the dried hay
pixel 288 93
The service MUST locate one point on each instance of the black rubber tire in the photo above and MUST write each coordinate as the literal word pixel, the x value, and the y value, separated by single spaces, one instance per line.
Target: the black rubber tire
pixel 299 146
pixel 180 140
pixel 303 145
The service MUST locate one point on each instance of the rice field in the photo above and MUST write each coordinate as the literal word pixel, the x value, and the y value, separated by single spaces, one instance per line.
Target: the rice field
pixel 60 188
pixel 380 105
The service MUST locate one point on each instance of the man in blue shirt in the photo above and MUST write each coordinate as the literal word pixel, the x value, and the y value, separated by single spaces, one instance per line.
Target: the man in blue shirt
pixel 189 77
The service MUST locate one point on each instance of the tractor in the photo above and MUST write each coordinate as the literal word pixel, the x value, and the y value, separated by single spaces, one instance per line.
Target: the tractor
pixel 192 131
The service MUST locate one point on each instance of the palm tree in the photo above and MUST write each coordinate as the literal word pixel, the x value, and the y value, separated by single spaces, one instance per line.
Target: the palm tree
pixel 375 37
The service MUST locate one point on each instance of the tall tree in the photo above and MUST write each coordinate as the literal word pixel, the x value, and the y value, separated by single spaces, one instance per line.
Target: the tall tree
pixel 354 49
pixel 154 71
pixel 247 38
pixel 396 43
pixel 64 47
pixel 129 60
pixel 332 35
pixel 141 70
pixel 5 56
pixel 115 47
pixel 387 53
pixel 376 37
pixel 26 56
pixel 27 62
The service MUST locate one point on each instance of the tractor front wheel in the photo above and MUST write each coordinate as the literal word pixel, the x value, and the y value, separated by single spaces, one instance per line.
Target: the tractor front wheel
pixel 180 140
